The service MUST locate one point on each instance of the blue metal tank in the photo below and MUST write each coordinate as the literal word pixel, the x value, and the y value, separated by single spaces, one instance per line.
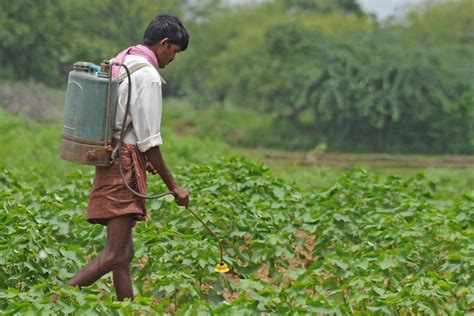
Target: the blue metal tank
pixel 89 114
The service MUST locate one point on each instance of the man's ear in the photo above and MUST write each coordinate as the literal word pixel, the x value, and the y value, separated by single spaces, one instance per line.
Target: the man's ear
pixel 165 41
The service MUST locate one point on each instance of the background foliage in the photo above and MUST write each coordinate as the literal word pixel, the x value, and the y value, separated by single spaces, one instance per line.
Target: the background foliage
pixel 323 71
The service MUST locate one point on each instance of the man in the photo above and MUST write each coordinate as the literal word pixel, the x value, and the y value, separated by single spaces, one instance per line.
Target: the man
pixel 111 203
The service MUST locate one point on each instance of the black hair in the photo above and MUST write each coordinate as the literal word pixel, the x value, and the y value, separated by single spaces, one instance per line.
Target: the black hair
pixel 166 26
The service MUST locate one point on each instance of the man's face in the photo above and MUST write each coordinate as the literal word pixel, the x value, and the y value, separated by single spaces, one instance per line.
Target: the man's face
pixel 166 52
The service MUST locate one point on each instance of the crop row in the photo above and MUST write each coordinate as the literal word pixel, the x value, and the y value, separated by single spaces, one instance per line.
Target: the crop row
pixel 364 245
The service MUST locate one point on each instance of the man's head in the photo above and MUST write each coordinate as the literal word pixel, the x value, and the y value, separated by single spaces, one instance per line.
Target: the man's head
pixel 166 36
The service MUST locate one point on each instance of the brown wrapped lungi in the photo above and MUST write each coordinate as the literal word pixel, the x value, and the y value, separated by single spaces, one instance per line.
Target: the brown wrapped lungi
pixel 110 198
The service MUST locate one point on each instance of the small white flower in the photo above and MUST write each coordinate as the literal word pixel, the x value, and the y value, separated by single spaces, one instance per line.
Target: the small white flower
pixel 42 254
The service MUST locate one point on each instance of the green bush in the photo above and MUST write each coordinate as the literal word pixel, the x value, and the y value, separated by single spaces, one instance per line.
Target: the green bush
pixel 379 92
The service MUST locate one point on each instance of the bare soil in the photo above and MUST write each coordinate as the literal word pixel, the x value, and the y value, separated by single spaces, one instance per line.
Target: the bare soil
pixel 373 160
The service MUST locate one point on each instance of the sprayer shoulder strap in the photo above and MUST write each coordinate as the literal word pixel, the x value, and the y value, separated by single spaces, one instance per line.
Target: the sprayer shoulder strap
pixel 132 69
pixel 129 127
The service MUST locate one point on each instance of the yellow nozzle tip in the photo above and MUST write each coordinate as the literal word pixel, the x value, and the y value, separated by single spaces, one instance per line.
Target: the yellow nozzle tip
pixel 221 268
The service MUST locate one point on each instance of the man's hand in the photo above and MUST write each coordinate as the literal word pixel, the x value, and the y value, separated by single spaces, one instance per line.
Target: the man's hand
pixel 181 196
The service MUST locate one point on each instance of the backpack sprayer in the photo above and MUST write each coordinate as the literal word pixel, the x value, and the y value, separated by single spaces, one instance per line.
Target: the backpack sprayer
pixel 89 116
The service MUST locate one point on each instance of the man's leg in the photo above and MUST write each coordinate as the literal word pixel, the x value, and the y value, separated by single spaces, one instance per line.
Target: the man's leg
pixel 121 275
pixel 119 234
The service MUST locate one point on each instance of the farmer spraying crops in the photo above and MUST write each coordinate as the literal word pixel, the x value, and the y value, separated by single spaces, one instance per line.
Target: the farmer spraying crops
pixel 111 203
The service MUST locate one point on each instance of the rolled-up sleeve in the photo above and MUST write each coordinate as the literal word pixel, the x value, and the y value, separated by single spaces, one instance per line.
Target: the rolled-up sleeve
pixel 146 116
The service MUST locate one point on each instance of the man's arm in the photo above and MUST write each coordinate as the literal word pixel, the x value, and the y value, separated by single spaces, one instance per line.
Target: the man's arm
pixel 155 157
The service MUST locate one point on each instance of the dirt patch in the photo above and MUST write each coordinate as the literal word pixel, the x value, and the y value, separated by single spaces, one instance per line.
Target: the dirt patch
pixel 374 160
pixel 262 274
pixel 234 279
pixel 205 287
pixel 141 262
pixel 307 251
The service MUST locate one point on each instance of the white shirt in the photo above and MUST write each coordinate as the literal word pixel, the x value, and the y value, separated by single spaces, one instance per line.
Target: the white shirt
pixel 146 105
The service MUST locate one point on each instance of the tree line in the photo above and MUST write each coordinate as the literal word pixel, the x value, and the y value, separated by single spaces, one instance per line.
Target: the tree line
pixel 325 71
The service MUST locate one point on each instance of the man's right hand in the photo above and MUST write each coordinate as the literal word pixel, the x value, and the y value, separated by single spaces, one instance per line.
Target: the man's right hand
pixel 181 196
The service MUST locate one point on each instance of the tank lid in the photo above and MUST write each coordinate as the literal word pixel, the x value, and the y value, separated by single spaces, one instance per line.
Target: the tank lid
pixel 82 66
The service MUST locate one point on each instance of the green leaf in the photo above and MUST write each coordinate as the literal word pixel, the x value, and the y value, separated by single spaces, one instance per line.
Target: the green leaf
pixel 387 262
pixel 245 285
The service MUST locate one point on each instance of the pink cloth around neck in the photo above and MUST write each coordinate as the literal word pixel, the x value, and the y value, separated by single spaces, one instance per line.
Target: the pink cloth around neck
pixel 138 50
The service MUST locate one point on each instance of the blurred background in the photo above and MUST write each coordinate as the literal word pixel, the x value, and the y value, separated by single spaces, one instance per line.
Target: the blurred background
pixel 302 81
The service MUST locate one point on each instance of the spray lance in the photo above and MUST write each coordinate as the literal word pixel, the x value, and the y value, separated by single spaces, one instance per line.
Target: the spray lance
pixel 220 267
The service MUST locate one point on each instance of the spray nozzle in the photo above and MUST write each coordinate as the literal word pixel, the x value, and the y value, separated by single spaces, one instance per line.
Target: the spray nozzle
pixel 221 268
